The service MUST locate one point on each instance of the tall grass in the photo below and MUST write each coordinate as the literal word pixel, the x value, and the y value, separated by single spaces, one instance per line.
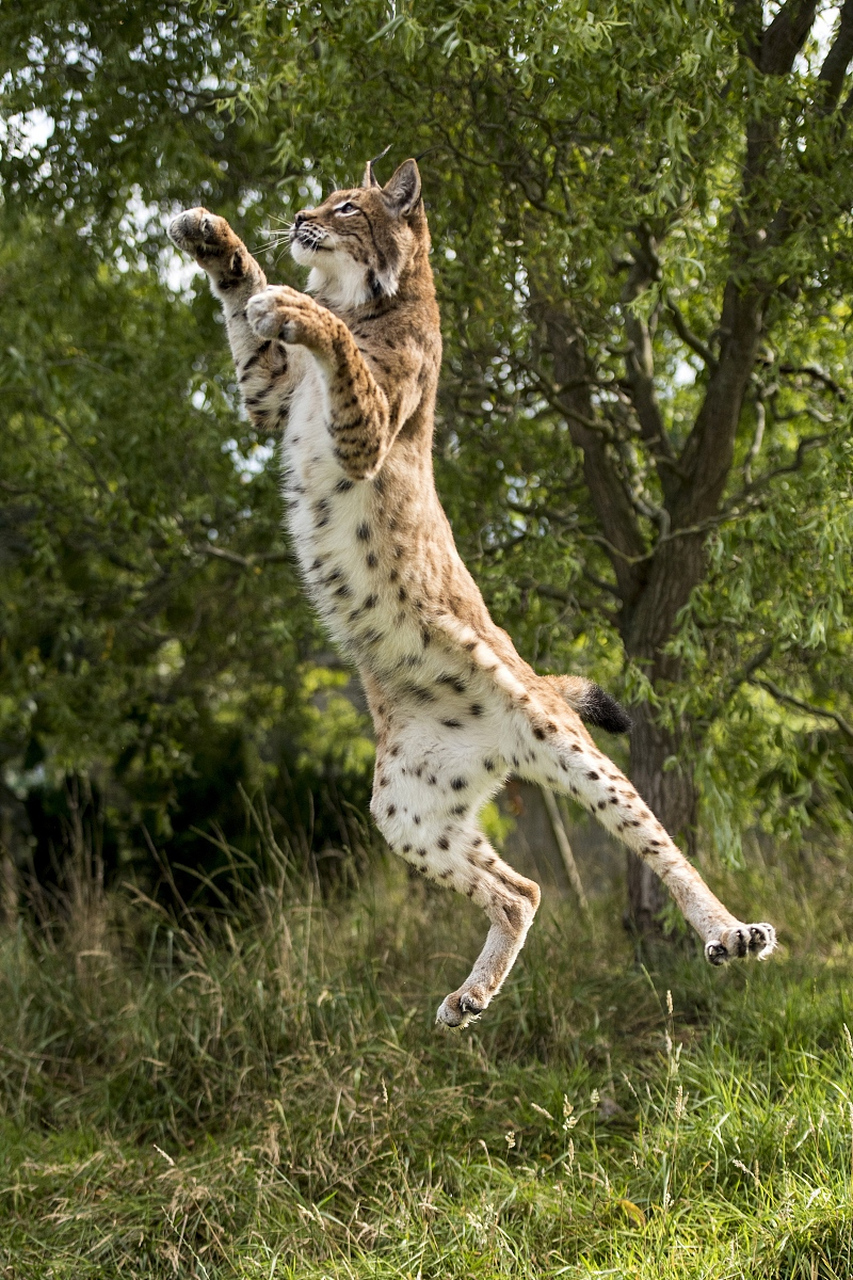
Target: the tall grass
pixel 260 1091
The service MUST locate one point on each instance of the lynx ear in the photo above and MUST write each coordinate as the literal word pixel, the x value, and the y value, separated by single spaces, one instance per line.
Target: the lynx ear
pixel 403 190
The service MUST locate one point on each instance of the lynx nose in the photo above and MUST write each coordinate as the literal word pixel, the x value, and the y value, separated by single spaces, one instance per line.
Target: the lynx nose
pixel 301 217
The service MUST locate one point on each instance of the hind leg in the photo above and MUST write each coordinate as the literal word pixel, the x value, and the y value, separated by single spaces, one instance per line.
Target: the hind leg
pixel 510 902
pixel 425 800
pixel 462 859
pixel 571 762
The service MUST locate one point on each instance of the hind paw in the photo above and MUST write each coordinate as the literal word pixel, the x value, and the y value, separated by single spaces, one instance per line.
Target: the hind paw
pixel 461 1008
pixel 741 940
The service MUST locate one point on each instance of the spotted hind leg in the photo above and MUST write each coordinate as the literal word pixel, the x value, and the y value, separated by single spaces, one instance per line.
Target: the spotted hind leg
pixel 510 902
pixel 426 808
pixel 572 763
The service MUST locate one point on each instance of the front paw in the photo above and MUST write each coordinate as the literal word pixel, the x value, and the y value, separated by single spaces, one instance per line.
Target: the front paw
pixel 198 231
pixel 210 240
pixel 281 312
pixel 741 940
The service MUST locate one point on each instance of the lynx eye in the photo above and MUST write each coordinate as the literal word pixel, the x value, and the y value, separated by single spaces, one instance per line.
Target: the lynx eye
pixel 346 208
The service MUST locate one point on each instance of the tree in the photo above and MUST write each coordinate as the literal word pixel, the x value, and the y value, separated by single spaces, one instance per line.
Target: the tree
pixel 642 249
pixel 155 650
pixel 652 195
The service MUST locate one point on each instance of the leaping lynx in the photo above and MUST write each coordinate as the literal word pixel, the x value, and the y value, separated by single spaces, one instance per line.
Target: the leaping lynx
pixel 351 374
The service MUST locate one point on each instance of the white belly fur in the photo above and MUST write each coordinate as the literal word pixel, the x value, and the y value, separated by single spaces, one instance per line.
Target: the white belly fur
pixel 360 604
pixel 325 524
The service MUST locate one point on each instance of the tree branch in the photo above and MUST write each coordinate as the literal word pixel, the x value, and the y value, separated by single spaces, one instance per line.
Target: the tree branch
pixel 548 592
pixel 785 36
pixel 623 539
pixel 817 374
pixel 837 60
pixel 758 437
pixel 709 449
pixel 244 562
pixel 743 677
pixel 689 338
pixel 563 843
pixel 560 397
pixel 601 584
pixel 808 707
pixel 639 358
pixel 43 412
pixel 803 448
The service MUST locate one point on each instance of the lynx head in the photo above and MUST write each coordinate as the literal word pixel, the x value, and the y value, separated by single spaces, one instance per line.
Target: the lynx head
pixel 360 243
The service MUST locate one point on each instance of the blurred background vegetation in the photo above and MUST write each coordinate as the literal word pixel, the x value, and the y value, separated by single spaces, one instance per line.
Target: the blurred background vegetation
pixel 642 249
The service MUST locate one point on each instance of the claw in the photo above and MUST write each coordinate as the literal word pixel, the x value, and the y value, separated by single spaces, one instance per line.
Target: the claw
pixel 450 1018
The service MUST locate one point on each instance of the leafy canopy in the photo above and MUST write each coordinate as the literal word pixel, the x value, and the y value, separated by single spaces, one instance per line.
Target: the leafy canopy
pixel 642 247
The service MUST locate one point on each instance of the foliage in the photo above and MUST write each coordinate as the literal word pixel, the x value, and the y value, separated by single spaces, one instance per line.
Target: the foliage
pixel 642 245
pixel 154 638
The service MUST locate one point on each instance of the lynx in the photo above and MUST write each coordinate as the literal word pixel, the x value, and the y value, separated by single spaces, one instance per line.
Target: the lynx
pixel 349 371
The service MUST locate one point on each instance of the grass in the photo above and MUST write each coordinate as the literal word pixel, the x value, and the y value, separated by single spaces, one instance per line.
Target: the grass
pixel 266 1096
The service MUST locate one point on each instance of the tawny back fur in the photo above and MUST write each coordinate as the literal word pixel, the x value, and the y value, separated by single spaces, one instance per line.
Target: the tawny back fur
pixel 350 374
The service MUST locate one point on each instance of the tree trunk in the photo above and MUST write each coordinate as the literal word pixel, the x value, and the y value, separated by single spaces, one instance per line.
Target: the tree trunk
pixel 668 790
pixel 664 783
pixel 655 582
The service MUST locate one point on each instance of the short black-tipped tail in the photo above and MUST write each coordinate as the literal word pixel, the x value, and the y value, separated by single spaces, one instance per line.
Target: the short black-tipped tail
pixel 599 709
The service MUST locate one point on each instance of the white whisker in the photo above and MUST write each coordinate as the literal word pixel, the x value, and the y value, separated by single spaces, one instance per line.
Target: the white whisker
pixel 274 242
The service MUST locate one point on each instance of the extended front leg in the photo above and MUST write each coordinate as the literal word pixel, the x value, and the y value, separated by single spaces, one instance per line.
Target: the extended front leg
pixel 235 277
pixel 359 414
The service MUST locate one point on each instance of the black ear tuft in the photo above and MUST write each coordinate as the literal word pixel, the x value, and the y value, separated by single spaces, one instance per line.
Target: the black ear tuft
pixel 403 190
pixel 603 711
pixel 369 179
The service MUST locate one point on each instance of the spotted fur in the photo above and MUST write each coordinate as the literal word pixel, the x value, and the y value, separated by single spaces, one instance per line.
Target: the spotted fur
pixel 349 371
